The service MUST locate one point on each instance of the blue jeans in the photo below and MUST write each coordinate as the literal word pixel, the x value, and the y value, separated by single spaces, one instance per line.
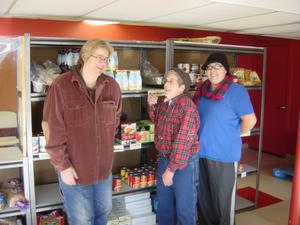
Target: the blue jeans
pixel 87 204
pixel 177 204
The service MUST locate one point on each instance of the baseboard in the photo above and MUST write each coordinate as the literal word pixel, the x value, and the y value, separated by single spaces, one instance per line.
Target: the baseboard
pixel 290 157
pixel 245 146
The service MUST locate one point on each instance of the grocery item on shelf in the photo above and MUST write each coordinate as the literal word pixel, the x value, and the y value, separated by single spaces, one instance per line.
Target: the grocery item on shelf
pixel 157 92
pixel 67 58
pixel 145 131
pixel 113 63
pixel 245 77
pixel 134 80
pixel 207 39
pixel 122 79
pixel 127 131
pixel 54 218
pixel 43 75
pixel 151 75
pixel 2 201
pixel 14 193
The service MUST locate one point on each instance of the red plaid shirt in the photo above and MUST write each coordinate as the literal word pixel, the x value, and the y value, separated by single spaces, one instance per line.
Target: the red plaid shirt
pixel 176 126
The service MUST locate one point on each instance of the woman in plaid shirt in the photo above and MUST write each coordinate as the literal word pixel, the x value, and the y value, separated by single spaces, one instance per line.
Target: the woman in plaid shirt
pixel 176 125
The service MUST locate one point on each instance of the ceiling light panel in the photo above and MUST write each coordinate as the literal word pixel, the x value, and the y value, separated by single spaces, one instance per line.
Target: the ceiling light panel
pixel 4 6
pixel 281 29
pixel 141 10
pixel 210 13
pixel 64 8
pixel 271 19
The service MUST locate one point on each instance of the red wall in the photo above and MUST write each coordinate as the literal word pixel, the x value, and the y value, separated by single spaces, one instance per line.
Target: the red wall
pixel 51 28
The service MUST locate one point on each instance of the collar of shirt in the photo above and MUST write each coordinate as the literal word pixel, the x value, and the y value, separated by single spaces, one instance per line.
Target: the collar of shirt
pixel 174 100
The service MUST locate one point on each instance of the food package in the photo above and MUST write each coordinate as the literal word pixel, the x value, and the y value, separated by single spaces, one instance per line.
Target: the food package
pixel 145 131
pixel 239 72
pixel 207 39
pixel 254 77
pixel 128 131
pixel 150 74
pixel 245 77
pixel 2 201
pixel 10 221
pixel 54 218
pixel 13 191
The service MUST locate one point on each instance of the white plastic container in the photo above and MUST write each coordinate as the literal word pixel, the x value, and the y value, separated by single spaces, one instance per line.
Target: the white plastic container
pixel 135 80
pixel 122 79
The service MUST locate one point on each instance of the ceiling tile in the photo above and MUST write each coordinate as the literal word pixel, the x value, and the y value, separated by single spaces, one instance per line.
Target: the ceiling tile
pixel 4 6
pixel 271 19
pixel 290 6
pixel 140 10
pixel 210 13
pixel 281 29
pixel 64 8
pixel 294 35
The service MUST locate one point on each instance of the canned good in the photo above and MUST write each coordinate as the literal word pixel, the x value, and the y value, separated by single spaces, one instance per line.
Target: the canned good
pixel 117 183
pixel 126 175
pixel 150 178
pixel 195 68
pixel 143 181
pixel 123 171
pixel 130 178
pixel 136 181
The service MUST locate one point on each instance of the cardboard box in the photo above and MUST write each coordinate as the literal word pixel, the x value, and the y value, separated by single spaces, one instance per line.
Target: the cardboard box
pixel 128 131
pixel 145 131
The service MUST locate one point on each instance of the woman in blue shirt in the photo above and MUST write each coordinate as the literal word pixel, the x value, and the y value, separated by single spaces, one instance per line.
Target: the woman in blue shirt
pixel 226 112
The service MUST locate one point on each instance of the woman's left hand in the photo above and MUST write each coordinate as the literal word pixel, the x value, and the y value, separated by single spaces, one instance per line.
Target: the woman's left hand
pixel 167 177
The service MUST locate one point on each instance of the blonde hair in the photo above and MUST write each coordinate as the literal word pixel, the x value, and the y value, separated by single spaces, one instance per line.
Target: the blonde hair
pixel 90 47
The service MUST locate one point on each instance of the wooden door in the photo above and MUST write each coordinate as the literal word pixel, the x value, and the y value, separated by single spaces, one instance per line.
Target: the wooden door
pixel 275 116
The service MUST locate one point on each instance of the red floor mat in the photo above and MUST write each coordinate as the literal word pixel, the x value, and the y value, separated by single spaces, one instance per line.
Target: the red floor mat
pixel 264 199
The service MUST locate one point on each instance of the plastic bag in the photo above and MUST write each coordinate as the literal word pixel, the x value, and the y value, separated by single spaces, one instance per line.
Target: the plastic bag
pixel 149 71
pixel 150 74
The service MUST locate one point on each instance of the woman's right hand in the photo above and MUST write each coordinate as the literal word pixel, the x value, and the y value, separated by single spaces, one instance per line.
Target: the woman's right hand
pixel 69 176
pixel 152 100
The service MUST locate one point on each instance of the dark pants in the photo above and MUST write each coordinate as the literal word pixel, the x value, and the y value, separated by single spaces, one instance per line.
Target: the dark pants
pixel 177 204
pixel 217 186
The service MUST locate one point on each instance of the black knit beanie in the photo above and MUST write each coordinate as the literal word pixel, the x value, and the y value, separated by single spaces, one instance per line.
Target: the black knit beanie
pixel 217 58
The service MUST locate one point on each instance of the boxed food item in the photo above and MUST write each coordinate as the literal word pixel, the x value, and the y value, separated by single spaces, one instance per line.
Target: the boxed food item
pixel 128 131
pixel 245 77
pixel 145 131
pixel 54 218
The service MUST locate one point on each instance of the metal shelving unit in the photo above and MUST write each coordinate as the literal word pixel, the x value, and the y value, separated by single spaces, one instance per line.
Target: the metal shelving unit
pixel 13 156
pixel 47 197
pixel 173 46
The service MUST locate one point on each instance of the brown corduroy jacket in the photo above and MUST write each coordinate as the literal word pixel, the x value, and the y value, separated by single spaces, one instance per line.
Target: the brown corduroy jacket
pixel 79 131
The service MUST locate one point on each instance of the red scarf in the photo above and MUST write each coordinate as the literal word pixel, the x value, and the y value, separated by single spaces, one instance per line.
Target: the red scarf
pixel 216 94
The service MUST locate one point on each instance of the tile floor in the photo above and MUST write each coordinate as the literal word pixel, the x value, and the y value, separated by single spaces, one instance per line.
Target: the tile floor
pixel 276 214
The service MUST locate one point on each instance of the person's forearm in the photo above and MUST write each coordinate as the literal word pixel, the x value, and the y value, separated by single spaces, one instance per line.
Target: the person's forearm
pixel 245 127
pixel 247 122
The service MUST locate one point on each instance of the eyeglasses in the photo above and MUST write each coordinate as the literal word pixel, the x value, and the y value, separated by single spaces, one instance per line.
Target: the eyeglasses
pixel 215 67
pixel 101 58
pixel 171 81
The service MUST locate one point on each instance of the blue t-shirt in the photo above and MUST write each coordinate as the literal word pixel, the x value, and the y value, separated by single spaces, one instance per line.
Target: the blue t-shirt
pixel 220 130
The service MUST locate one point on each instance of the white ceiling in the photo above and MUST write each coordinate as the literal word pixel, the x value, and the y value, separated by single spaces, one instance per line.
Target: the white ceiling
pixel 277 18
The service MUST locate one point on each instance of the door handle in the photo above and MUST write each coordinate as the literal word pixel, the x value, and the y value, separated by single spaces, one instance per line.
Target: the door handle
pixel 282 107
